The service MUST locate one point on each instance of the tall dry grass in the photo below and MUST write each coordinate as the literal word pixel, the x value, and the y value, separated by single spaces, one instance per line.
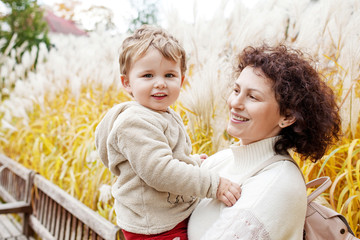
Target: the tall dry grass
pixel 48 118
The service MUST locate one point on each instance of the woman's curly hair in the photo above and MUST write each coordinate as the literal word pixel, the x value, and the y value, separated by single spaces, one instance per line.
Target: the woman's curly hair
pixel 300 92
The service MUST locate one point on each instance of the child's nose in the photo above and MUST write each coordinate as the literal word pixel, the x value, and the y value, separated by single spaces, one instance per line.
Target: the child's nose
pixel 160 83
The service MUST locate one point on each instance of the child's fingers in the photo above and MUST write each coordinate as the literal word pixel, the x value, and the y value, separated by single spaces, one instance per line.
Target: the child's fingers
pixel 223 198
pixel 223 187
pixel 228 192
pixel 231 198
pixel 235 190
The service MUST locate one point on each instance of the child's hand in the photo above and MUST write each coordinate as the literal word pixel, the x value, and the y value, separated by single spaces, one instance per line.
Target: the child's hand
pixel 228 192
pixel 203 156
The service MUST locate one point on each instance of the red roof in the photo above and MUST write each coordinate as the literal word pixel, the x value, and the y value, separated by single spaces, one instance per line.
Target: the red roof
pixel 61 25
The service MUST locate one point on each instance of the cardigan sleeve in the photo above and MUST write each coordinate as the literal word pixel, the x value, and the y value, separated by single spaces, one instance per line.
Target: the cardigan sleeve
pixel 141 139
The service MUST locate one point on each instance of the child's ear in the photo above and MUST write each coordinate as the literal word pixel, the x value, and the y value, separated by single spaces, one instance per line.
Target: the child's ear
pixel 126 83
pixel 182 80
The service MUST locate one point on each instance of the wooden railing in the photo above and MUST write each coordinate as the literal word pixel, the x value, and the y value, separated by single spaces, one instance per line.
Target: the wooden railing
pixel 46 210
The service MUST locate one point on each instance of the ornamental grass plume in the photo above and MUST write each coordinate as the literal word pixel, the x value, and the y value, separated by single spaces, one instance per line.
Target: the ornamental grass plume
pixel 48 116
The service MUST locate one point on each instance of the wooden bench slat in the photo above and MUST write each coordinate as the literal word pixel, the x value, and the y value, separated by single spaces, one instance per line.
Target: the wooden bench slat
pixel 63 223
pixel 22 238
pixel 15 207
pixel 67 224
pixel 86 232
pixel 54 219
pixel 49 215
pixel 58 221
pixel 73 231
pixel 45 209
pixel 9 226
pixel 80 231
pixel 4 232
pixel 39 228
pixel 4 193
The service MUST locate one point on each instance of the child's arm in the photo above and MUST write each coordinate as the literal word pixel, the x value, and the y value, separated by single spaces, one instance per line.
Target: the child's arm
pixel 141 140
pixel 228 192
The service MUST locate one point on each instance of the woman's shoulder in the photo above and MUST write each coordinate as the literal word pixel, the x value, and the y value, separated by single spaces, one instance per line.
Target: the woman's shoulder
pixel 278 183
pixel 284 171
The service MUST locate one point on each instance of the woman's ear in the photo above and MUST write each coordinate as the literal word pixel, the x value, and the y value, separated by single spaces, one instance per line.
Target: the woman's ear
pixel 126 83
pixel 287 121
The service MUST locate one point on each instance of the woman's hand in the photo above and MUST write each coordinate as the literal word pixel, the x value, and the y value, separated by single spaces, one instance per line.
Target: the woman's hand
pixel 228 192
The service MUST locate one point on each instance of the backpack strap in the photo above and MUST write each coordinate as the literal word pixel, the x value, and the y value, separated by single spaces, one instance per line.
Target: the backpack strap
pixel 321 183
pixel 275 158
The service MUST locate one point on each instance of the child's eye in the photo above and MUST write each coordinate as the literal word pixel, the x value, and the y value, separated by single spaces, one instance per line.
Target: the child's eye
pixel 148 75
pixel 169 75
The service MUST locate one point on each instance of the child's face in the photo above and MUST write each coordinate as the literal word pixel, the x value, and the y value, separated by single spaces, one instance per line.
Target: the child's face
pixel 154 81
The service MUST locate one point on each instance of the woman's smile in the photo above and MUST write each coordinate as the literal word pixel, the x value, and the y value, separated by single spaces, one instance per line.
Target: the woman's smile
pixel 238 118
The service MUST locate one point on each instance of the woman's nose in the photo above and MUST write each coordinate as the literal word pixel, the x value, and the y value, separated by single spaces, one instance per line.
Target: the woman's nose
pixel 237 102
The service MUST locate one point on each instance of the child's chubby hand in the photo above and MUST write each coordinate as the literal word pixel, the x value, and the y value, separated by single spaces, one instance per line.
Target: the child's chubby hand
pixel 228 192
pixel 203 156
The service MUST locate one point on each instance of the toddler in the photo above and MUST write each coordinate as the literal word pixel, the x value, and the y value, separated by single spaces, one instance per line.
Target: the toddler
pixel 145 144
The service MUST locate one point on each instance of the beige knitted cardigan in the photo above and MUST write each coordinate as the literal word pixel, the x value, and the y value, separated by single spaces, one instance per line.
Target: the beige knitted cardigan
pixel 158 181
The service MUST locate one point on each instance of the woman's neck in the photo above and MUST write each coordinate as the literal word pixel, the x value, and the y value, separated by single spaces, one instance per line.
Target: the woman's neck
pixel 249 156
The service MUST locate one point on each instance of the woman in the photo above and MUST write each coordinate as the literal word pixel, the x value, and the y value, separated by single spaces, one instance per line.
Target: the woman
pixel 278 103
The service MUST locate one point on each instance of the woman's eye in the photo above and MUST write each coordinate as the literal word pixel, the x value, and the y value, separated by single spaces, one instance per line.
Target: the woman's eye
pixel 253 97
pixel 236 91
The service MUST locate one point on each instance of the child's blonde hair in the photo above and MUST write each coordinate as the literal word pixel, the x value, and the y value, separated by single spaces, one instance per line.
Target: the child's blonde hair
pixel 148 36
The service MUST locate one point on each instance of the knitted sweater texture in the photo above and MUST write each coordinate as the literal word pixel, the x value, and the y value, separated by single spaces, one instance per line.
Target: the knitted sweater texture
pixel 158 181
pixel 272 203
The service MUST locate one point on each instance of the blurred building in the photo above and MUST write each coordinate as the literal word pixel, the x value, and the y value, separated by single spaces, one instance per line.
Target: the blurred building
pixel 61 25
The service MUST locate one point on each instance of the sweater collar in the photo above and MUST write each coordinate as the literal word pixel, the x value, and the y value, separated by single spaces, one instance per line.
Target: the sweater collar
pixel 251 155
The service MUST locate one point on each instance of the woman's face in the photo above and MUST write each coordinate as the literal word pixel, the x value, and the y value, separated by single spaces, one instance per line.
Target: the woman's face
pixel 254 111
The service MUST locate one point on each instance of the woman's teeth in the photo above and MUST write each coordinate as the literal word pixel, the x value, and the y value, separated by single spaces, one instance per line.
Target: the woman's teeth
pixel 238 118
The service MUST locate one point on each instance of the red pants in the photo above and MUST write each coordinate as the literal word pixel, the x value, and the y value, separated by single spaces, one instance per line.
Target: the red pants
pixel 179 232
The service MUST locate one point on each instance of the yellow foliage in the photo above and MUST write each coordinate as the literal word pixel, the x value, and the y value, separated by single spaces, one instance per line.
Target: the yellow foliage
pixel 58 142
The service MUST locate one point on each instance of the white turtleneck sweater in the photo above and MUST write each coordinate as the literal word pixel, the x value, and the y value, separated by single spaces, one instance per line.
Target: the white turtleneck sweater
pixel 272 203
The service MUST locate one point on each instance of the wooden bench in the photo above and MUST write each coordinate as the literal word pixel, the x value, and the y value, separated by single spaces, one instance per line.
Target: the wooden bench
pixel 48 211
